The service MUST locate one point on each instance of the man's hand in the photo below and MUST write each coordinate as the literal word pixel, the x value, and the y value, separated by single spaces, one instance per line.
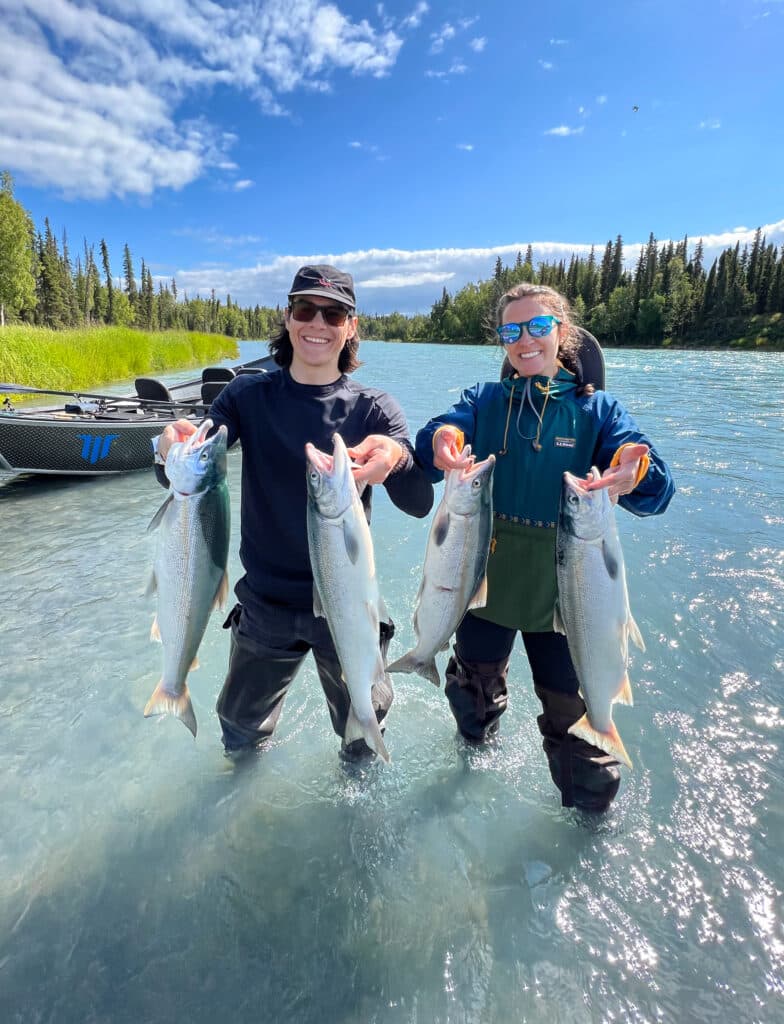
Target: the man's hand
pixel 374 458
pixel 180 430
pixel 621 479
pixel 447 453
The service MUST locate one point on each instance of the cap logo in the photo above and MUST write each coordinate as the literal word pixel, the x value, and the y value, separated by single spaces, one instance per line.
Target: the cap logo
pixel 325 283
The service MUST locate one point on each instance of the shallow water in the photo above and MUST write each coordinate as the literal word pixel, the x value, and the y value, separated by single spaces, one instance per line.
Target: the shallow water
pixel 143 877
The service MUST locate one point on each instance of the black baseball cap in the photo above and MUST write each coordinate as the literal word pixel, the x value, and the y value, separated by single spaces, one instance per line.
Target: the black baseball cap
pixel 326 281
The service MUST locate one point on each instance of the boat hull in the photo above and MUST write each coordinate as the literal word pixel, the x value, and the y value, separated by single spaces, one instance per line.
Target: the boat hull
pixel 76 445
pixel 84 438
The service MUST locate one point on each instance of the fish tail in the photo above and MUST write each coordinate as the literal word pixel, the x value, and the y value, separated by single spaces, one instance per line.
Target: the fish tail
pixel 411 663
pixel 164 703
pixel 610 742
pixel 369 731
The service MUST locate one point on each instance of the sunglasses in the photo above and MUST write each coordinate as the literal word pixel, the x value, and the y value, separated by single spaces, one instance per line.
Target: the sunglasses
pixel 335 316
pixel 537 327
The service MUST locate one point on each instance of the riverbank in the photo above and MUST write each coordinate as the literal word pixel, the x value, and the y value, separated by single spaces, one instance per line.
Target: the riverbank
pixel 89 357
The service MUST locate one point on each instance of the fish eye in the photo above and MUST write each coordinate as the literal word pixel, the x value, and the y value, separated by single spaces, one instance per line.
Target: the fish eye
pixel 204 454
pixel 476 484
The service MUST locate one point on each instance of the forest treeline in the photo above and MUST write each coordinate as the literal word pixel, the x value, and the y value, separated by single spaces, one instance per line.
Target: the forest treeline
pixel 668 297
pixel 43 283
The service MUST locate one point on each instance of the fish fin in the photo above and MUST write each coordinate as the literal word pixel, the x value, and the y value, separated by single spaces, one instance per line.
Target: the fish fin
pixel 351 542
pixel 479 600
pixel 152 585
pixel 164 703
pixel 624 695
pixel 156 520
pixel 195 664
pixel 223 592
pixel 610 742
pixel 155 631
pixel 318 607
pixel 440 527
pixel 415 619
pixel 411 663
pixel 610 561
pixel 634 632
pixel 369 731
pixel 558 626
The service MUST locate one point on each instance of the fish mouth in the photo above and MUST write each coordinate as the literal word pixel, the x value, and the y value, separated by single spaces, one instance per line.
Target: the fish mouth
pixel 577 484
pixel 318 460
pixel 477 468
pixel 200 437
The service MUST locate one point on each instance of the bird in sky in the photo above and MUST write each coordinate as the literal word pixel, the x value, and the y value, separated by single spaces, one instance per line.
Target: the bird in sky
pixel 635 109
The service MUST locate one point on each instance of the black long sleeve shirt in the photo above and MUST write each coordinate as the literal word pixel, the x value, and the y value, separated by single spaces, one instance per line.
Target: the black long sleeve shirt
pixel 273 417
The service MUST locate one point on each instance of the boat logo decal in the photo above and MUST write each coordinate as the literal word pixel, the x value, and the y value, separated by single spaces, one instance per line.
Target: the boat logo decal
pixel 95 448
pixel 565 442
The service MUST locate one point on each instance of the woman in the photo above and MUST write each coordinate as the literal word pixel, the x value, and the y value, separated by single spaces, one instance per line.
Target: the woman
pixel 538 422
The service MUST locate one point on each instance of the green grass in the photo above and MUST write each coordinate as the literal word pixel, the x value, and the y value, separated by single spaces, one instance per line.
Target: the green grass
pixel 84 359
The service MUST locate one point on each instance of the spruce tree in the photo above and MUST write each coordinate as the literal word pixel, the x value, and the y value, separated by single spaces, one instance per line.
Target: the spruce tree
pixel 17 254
pixel 109 286
pixel 130 281
pixel 51 302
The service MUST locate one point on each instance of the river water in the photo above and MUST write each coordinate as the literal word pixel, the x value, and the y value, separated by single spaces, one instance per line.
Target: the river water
pixel 145 878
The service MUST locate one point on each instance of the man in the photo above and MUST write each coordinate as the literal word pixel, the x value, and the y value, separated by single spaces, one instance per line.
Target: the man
pixel 310 398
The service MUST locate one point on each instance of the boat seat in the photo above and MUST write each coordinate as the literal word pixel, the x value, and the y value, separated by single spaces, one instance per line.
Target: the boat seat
pixel 151 390
pixel 251 369
pixel 224 373
pixel 210 390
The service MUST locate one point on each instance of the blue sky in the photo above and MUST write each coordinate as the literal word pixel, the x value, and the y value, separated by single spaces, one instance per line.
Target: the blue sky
pixel 408 142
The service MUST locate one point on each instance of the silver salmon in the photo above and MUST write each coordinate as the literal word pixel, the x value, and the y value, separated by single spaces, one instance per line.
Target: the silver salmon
pixel 189 574
pixel 593 609
pixel 345 585
pixel 454 577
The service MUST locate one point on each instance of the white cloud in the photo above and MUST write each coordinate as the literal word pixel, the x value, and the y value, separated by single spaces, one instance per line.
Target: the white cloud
pixel 457 67
pixel 212 236
pixel 546 65
pixel 564 130
pixel 601 100
pixel 367 147
pixel 410 281
pixel 441 38
pixel 558 42
pixel 711 125
pixel 467 147
pixel 90 89
pixel 244 183
pixel 465 23
pixel 478 44
pixel 414 19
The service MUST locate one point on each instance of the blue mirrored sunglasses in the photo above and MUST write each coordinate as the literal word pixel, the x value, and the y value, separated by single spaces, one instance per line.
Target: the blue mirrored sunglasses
pixel 537 327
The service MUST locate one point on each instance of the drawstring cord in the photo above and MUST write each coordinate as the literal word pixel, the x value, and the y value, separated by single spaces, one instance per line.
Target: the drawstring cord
pixel 534 438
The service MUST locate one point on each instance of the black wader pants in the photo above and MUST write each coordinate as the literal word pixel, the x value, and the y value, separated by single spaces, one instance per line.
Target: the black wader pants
pixel 476 689
pixel 268 645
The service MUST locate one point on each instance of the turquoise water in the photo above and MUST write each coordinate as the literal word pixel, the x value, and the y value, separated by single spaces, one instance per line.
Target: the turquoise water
pixel 145 878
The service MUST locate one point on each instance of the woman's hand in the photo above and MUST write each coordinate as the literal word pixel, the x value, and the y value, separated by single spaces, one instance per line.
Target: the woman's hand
pixel 621 479
pixel 180 430
pixel 447 451
pixel 375 458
